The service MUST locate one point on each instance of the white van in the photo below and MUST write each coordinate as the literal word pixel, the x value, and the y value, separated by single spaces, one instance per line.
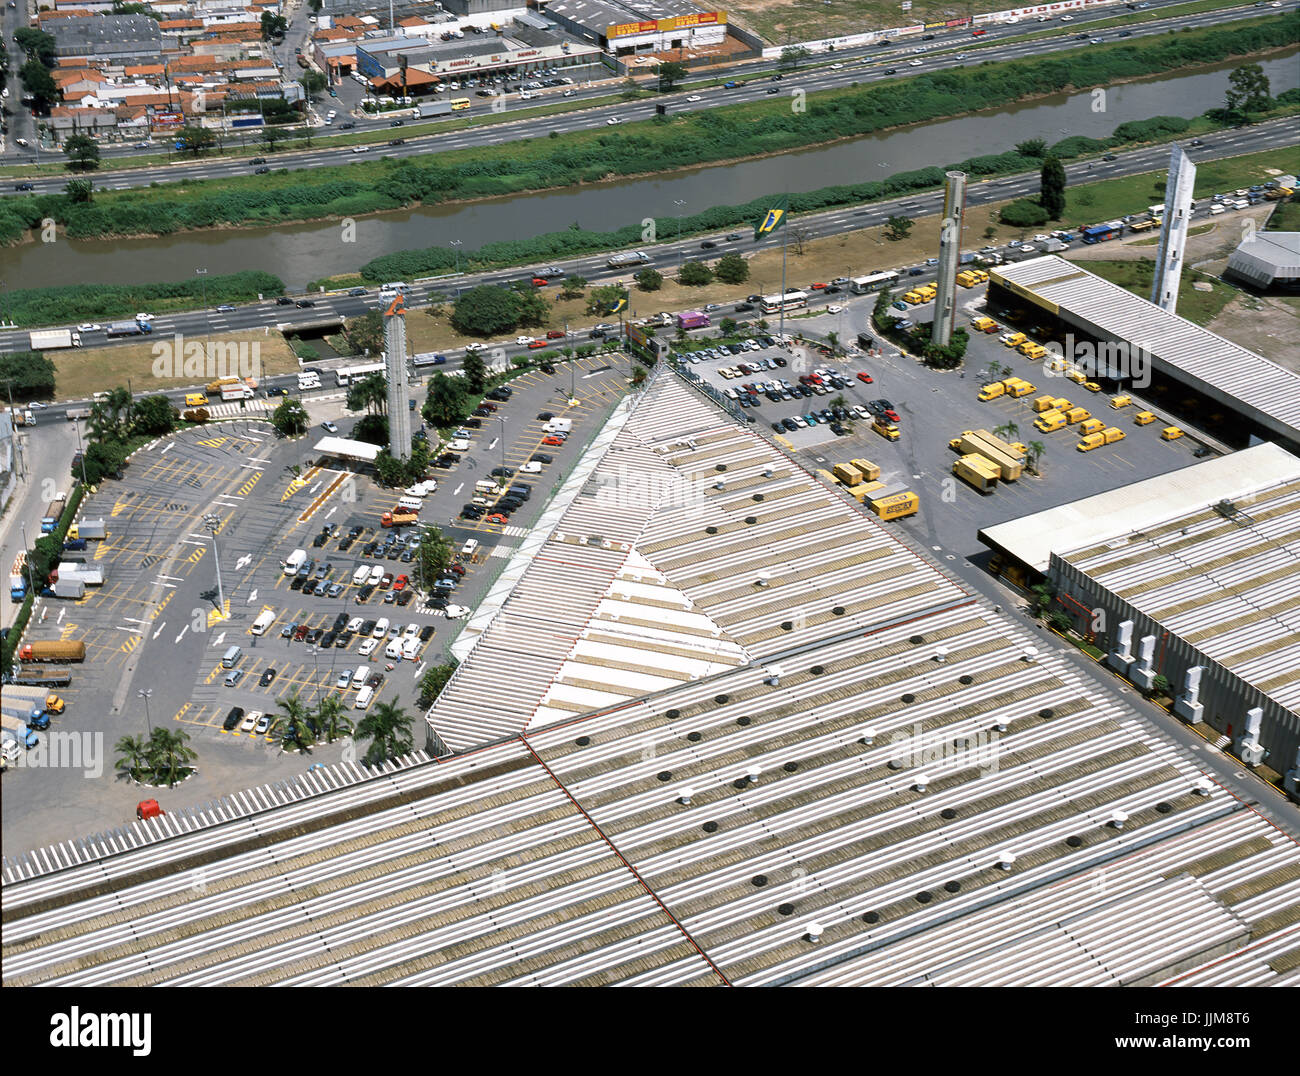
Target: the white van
pixel 264 621
pixel 381 628
pixel 231 656
pixel 1216 209
pixel 309 379
pixel 363 698
pixel 393 650
pixel 361 574
pixel 413 504
pixel 295 561
pixel 559 425
pixel 410 648
pixel 376 574
pixel 391 291
pixel 486 485
pixel 360 676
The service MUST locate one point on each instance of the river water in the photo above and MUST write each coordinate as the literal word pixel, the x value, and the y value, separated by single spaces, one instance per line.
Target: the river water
pixel 301 252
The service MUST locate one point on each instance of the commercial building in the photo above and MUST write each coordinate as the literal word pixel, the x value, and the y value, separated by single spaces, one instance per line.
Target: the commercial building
pixel 1193 372
pixel 1267 260
pixel 1193 576
pixel 626 28
pixel 774 746
pixel 121 38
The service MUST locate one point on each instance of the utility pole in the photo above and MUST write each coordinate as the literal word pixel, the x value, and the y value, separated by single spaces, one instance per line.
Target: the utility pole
pixel 81 452
pixel 455 246
pixel 681 205
pixel 214 524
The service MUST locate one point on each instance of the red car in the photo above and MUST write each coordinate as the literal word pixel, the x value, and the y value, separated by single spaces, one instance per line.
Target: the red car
pixel 489 405
pixel 300 632
pixel 864 378
pixel 455 569
pixel 497 518
pixel 400 582
pixel 804 379
pixel 552 440
pixel 555 334
pixel 540 282
pixel 814 379
pixel 818 287
pixel 536 344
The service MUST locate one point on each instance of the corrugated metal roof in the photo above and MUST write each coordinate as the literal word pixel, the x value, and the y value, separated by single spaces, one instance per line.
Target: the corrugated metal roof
pixel 1266 391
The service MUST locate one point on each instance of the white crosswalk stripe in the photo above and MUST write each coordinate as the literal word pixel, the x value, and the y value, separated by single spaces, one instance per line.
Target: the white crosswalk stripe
pixel 233 410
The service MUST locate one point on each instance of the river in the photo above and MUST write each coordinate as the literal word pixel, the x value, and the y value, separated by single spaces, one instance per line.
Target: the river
pixel 301 252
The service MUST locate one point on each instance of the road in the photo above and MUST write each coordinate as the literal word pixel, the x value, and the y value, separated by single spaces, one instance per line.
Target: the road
pixel 848 68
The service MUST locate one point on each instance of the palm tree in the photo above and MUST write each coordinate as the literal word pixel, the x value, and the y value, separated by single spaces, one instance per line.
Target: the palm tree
pixel 833 338
pixel 1007 431
pixel 132 755
pixel 388 727
pixel 371 392
pixel 994 370
pixel 293 722
pixel 1034 449
pixel 120 406
pixel 330 718
pixel 168 753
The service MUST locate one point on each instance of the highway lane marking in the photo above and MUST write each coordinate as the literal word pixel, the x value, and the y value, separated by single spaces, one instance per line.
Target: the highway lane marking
pixel 160 628
pixel 182 634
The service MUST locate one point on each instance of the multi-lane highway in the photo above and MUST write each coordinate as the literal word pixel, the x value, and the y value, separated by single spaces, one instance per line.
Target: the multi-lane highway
pixel 861 65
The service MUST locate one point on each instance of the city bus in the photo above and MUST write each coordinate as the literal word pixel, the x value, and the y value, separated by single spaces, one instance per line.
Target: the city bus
pixel 459 104
pixel 348 374
pixel 791 300
pixel 861 285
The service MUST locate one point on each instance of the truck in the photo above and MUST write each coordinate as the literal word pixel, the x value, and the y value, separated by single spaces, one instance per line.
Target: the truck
pixel 214 387
pixel 55 650
pixel 49 339
pixel 888 430
pixel 38 676
pixel 985 324
pixel 22 418
pixel 32 716
pixel 631 257
pixel 870 471
pixel 295 561
pixel 1107 436
pixel 864 491
pixel 16 730
pixel 308 379
pixel 1077 414
pixel 1031 349
pixel 1049 421
pixel 237 391
pixel 433 108
pixel 848 474
pixel 53 512
pixel 88 528
pixel 992 391
pixel 70 587
pixel 1008 458
pixel 896 505
pixel 693 319
pixel 35 699
pixel 1017 387
pixel 75 413
pixel 398 517
pixel 978 471
pixel 127 328
pixel 91 575
pixel 18 578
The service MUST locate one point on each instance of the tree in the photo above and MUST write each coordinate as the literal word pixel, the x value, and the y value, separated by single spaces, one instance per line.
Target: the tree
pixel 272 135
pixel 799 234
pixel 40 84
pixel 291 725
pixel 475 372
pixel 1043 593
pixel 728 326
pixel 388 727
pixel 1023 213
pixel 433 681
pixel 1248 90
pixel 79 191
pixel 1032 147
pixel 273 26
pixel 1007 431
pixel 603 299
pixel 29 375
pixel 312 82
pixel 445 402
pixel 897 227
pixel 732 269
pixel 365 334
pixel 790 57
pixel 573 286
pixel 332 721
pixel 433 554
pixel 155 415
pixel 372 428
pixel 671 73
pixel 132 756
pixel 290 418
pixel 195 140
pixel 630 91
pixel 833 339
pixel 36 45
pixel 695 274
pixel 168 755
pixel 82 152
pixel 1034 451
pixel 485 311
pixel 1052 188
pixel 649 279
pixel 370 393
pixel 990 232
pixel 315 6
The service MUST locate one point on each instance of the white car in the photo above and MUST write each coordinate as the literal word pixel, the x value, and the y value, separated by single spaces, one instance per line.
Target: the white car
pixel 456 612
pixel 422 489
pixel 36 405
pixel 834 309
pixel 367 647
pixel 345 678
pixel 329 427
pixel 144 317
pixel 458 445
pixel 354 625
pixel 376 574
pixel 695 97
pixel 523 341
pixel 88 327
pixel 381 628
pixel 1040 238
pixel 1067 18
pixel 411 649
pixel 360 149
pixel 531 467
pixel 800 421
pixel 1027 249
pixel 913 63
pixel 837 67
pixel 613 120
pixel 250 721
pixel 411 631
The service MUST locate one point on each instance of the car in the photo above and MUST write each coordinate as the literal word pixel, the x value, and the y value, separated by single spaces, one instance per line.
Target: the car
pixel 1109 157
pixel 233 718
pixel 144 317
pixel 834 309
pixel 360 149
pixel 541 457
pixel 913 63
pixel 534 345
pixel 695 97
pixel 363 595
pixel 898 304
pixel 396 123
pixel 346 126
pixel 283 300
pixel 303 304
pixel 333 590
pixel 329 427
pixel 367 647
pixel 499 518
pixel 401 582
pixel 730 85
pixel 261 171
pixel 24 186
pixel 300 632
pixel 356 291
pixel 613 120
pixel 455 612
pixel 552 441
pixel 250 721
pixel 864 377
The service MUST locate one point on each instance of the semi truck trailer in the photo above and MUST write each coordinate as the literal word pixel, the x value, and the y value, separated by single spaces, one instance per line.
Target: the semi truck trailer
pixel 54 650
pixel 49 339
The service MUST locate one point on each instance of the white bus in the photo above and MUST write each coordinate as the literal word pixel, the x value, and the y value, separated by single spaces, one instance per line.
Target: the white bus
pixel 348 374
pixel 264 621
pixel 791 300
pixel 860 285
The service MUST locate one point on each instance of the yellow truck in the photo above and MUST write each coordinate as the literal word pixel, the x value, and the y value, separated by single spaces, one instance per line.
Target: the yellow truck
pixel 896 505
pixel 1049 421
pixel 929 291
pixel 968 278
pixel 1077 414
pixel 1120 402
pixel 913 297
pixel 993 391
pixel 196 399
pixel 1113 434
pixel 1044 403
pixel 1008 458
pixel 886 429
pixel 976 470
pixel 1107 436
pixel 1092 386
pixel 870 472
pixel 1077 376
pixel 848 474
pixel 1144 418
pixel 1018 386
pixel 1013 339
pixel 1060 403
pixel 827 477
pixel 985 325
pixel 1090 426
pixel 863 491
pixel 1170 433
pixel 1031 350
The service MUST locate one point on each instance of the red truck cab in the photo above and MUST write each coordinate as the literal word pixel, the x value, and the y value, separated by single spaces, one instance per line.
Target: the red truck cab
pixel 148 809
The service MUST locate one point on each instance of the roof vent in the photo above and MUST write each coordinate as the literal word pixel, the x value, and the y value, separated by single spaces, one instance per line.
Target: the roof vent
pixel 720 484
pixel 772 681
pixel 742 721
pixel 786 625
pixel 1031 652
pixel 757 497
pixel 1000 724
pixel 790 767
pixel 909 697
pixel 1203 786
pixel 948 813
pixel 1117 819
pixel 924 897
pixel 695 737
pixel 966 678
pixel 1046 713
pixel 941 654
pixel 751 520
pixel 814 934
pixel 719 467
pixel 768 473
pixel 1164 808
pixel 952 887
pixel 710 530
pixel 1006 860
pixel 871 917
pixel 817 670
pixel 785 909
pixel 837 610
pixel 1074 842
pixel 753 772
pixel 582 741
pixel 922 782
pixel 685 798
pixel 710 827
pixel 673 715
pixel 916 640
pixel 759 880
pixel 721 700
pixel 868 737
pixel 665 775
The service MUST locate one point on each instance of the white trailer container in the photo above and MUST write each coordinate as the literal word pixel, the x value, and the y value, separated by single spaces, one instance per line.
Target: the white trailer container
pixel 49 339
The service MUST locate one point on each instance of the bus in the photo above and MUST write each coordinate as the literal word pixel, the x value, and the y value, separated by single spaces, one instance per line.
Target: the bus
pixel 346 375
pixel 1143 225
pixel 791 300
pixel 861 285
pixel 459 104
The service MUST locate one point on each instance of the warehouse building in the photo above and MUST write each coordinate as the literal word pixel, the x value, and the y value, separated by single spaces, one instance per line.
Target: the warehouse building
pixel 785 749
pixel 1238 396
pixel 636 26
pixel 1267 260
pixel 130 39
pixel 1193 576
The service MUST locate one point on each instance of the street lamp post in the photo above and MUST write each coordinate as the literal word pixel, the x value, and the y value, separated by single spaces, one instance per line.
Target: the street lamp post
pixel 681 205
pixel 81 451
pixel 146 693
pixel 31 585
pixel 455 246
pixel 214 524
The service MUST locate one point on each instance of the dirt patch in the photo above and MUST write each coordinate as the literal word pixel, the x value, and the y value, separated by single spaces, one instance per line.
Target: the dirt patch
pixel 1203 250
pixel 1268 326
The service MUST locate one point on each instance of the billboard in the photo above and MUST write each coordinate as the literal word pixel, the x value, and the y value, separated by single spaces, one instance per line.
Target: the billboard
pixel 679 22
pixel 168 119
pixel 247 121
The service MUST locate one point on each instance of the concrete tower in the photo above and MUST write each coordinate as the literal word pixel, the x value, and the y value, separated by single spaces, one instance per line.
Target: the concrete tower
pixel 945 302
pixel 399 415
pixel 1173 231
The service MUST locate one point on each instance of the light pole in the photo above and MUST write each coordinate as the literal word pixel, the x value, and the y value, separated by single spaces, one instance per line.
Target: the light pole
pixel 214 524
pixel 455 246
pixel 146 693
pixel 502 419
pixel 681 205
pixel 80 451
pixel 27 562
pixel 18 449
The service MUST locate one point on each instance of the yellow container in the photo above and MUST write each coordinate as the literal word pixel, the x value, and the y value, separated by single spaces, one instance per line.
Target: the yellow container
pixel 896 505
pixel 847 473
pixel 869 470
pixel 827 477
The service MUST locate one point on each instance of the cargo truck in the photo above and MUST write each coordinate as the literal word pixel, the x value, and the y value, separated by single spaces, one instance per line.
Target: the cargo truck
pixel 1049 421
pixel 49 339
pixel 631 257
pixel 1077 414
pixel 18 578
pixel 848 474
pixel 92 575
pixel 692 319
pixel 19 710
pixel 22 418
pixel 71 587
pixel 398 517
pixel 896 505
pixel 127 328
pixel 55 650
pixel 36 697
pixel 993 391
pixel 75 413
pixel 870 472
pixel 38 676
pixel 1031 350
pixel 434 108
pixel 1144 418
pixel 886 429
pixel 978 471
pixel 1120 402
pixel 16 730
pixel 53 512
pixel 1043 403
pixel 1090 426
pixel 985 325
pixel 88 528
pixel 1008 458
pixel 1017 387
pixel 864 491
pixel 237 391
pixel 215 387
pixel 1013 339
pixel 1107 436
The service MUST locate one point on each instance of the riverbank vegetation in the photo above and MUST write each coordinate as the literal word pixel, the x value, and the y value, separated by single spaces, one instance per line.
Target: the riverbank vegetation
pixel 662 144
